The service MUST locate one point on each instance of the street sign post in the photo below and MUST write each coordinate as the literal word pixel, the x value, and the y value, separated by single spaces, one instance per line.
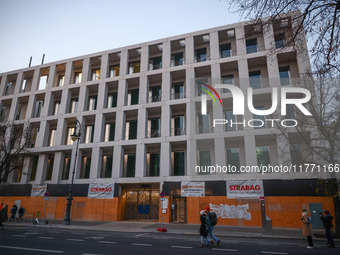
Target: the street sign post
pixel 162 195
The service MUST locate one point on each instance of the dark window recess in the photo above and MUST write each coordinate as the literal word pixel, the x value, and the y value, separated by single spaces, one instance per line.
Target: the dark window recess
pixel 156 94
pixel 108 167
pixel 201 55
pixel 131 166
pixel 154 164
pixel 133 130
pixel 251 45
pixel 179 162
pixel 225 50
pixel 134 96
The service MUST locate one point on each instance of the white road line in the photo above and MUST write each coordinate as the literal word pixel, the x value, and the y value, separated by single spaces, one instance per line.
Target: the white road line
pixel 77 240
pixel 45 237
pixel 274 252
pixel 181 247
pixel 218 249
pixel 142 244
pixel 144 234
pixel 107 242
pixel 78 233
pixel 19 235
pixel 30 249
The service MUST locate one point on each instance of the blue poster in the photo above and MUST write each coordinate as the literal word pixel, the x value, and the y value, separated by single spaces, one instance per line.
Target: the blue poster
pixel 143 209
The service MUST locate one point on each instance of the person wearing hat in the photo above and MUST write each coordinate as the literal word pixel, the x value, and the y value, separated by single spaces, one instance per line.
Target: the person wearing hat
pixel 204 232
pixel 210 227
pixel 327 223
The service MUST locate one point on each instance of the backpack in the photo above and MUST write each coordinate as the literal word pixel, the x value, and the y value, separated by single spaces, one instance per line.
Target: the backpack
pixel 213 218
pixel 309 220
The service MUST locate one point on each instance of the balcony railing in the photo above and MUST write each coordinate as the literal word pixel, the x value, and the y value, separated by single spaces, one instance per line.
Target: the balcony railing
pixel 229 53
pixel 178 131
pixel 155 66
pixel 154 133
pixel 154 99
pixel 177 96
pixel 177 63
pixel 204 129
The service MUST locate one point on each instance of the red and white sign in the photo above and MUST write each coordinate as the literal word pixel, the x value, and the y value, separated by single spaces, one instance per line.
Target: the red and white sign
pixel 192 189
pixel 101 190
pixel 38 190
pixel 245 189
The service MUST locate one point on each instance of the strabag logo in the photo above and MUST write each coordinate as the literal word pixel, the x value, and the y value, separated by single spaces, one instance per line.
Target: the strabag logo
pixel 239 104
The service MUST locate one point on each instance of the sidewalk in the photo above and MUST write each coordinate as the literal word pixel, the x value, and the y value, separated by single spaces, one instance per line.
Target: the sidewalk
pixel 173 228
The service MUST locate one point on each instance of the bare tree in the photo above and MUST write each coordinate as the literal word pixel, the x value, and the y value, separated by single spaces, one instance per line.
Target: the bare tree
pixel 14 143
pixel 317 19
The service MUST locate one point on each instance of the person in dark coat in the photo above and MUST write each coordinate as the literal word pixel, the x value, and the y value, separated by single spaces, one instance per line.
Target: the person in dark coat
pixel 204 232
pixel 307 228
pixel 14 211
pixel 3 215
pixel 327 223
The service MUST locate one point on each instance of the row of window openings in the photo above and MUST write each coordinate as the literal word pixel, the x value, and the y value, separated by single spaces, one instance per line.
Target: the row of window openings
pixel 153 163
pixel 129 164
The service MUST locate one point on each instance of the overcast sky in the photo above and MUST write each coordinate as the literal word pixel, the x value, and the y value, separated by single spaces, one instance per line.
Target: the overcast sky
pixel 68 28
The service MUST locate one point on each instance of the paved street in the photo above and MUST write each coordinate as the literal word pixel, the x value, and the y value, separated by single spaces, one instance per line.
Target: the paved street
pixel 28 240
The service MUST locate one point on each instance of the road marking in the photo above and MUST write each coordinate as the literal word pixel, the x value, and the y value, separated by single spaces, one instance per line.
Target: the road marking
pixel 19 235
pixel 77 240
pixel 144 234
pixel 142 244
pixel 218 249
pixel 45 237
pixel 94 237
pixel 55 232
pixel 89 254
pixel 78 233
pixel 30 249
pixel 181 247
pixel 274 252
pixel 107 242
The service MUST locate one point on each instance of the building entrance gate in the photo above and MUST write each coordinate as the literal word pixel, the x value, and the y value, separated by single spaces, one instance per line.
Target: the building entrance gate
pixel 142 205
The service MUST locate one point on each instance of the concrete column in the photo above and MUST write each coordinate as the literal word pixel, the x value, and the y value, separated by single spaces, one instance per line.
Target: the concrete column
pixel 165 167
pixel 124 57
pixel 43 134
pixel 144 59
pixel 68 73
pixel 13 109
pixel 166 56
pixel 191 159
pixel 61 132
pixel 217 109
pixel 101 98
pixel 86 70
pixel 214 45
pixel 41 169
pixel 82 99
pixel 104 67
pixel 117 166
pixel 57 167
pixel 120 126
pixel 142 123
pixel 243 73
pixel 30 106
pixel 96 160
pixel 143 90
pixel 140 160
pixel 240 41
pixel 36 79
pixel 166 86
pixel 273 71
pixel 220 152
pixel 166 121
pixel 250 150
pixel 189 50
pixel 51 76
pixel 122 93
pixel 25 176
pixel 190 84
pixel 18 83
pixel 191 119
pixel 3 85
pixel 64 102
pixel 48 104
pixel 99 128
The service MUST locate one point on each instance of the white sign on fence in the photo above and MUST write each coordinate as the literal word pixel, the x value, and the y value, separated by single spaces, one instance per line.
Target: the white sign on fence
pixel 192 189
pixel 38 190
pixel 101 190
pixel 245 189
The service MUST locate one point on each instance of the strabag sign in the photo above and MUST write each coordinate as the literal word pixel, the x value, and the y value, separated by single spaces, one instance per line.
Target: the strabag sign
pixel 38 190
pixel 245 189
pixel 101 190
pixel 192 189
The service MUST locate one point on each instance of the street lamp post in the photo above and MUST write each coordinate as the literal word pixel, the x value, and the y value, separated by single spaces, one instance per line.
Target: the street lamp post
pixel 75 136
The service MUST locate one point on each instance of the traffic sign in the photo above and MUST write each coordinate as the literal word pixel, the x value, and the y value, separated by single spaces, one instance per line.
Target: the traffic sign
pixel 162 194
pixel 46 194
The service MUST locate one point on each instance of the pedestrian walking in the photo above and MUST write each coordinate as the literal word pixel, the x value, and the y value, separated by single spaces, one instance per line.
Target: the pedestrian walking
pixel 307 228
pixel 3 215
pixel 327 223
pixel 14 210
pixel 21 212
pixel 204 231
pixel 212 221
pixel 2 205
